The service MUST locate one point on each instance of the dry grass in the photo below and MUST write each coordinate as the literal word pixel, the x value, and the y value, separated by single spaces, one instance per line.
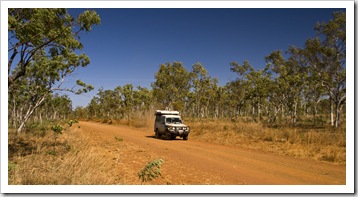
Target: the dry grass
pixel 74 158
pixel 322 144
pixel 70 160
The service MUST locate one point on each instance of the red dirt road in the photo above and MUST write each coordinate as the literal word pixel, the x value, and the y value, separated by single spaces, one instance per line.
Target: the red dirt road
pixel 196 163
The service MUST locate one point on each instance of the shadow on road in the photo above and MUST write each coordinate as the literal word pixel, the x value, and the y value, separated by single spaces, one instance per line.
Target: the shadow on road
pixel 151 136
pixel 162 138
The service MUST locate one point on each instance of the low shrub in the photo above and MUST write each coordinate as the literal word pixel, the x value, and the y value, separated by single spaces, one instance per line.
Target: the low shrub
pixel 151 170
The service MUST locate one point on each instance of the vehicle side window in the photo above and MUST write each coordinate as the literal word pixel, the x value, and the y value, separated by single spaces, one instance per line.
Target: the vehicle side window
pixel 157 119
pixel 162 120
pixel 168 120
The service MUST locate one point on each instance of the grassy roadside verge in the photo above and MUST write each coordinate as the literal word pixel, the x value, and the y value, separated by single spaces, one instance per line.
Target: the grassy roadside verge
pixel 322 144
pixel 70 160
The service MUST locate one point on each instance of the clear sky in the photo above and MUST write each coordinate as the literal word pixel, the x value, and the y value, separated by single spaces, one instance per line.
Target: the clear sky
pixel 130 44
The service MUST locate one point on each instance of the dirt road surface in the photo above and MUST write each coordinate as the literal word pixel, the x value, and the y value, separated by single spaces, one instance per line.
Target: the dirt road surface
pixel 199 163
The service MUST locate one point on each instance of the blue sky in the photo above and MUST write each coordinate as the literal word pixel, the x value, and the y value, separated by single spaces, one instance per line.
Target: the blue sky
pixel 130 44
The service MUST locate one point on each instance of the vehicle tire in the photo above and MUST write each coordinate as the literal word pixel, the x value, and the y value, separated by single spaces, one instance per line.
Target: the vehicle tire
pixel 157 134
pixel 172 137
pixel 185 137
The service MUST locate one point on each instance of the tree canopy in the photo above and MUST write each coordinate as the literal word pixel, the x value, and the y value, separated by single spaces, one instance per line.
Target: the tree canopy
pixel 299 83
pixel 44 47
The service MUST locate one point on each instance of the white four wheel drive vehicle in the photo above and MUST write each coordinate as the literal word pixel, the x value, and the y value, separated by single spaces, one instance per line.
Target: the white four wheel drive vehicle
pixel 170 124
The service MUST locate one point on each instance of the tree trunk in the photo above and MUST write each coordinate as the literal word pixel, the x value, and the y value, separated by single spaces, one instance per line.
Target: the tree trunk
pixel 275 116
pixel 336 122
pixel 259 111
pixel 54 115
pixel 339 107
pixel 40 116
pixel 294 114
pixel 314 114
pixel 14 114
pixel 29 112
pixel 253 113
pixel 331 111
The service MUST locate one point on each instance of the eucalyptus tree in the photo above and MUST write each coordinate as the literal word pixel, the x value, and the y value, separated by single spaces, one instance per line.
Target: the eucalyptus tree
pixel 40 81
pixel 43 47
pixel 221 102
pixel 333 50
pixel 81 112
pixel 108 103
pixel 325 58
pixel 239 88
pixel 52 30
pixel 211 97
pixel 171 88
pixel 120 111
pixel 203 90
pixel 251 86
pixel 275 99
pixel 143 100
pixel 315 94
pixel 290 79
pixel 58 106
pixel 128 99
pixel 257 91
pixel 93 108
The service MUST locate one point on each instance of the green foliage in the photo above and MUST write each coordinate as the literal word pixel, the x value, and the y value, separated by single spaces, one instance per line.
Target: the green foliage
pixel 38 128
pixel 225 128
pixel 57 129
pixel 119 103
pixel 67 147
pixel 52 152
pixel 70 122
pixel 34 30
pixel 171 85
pixel 203 89
pixel 85 88
pixel 118 138
pixel 43 50
pixel 11 166
pixel 324 58
pixel 151 170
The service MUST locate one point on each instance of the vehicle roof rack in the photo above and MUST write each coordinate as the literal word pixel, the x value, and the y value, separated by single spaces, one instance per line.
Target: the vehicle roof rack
pixel 166 112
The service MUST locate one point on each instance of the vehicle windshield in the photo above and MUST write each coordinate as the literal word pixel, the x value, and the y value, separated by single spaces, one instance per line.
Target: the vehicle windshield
pixel 173 120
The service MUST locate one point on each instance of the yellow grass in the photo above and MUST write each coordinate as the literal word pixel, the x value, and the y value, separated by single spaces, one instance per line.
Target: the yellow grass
pixel 71 161
pixel 324 144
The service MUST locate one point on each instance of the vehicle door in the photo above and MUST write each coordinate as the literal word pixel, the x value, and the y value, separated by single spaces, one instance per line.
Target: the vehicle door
pixel 161 126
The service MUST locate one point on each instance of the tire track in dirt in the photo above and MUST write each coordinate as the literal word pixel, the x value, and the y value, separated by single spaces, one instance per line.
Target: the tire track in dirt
pixel 194 162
